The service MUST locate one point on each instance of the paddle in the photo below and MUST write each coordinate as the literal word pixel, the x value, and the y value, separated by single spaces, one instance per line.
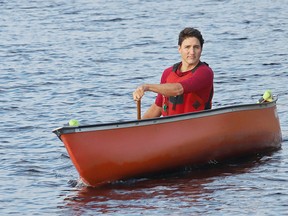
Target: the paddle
pixel 139 110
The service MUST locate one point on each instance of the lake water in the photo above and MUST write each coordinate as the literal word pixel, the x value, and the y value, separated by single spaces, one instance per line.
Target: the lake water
pixel 83 59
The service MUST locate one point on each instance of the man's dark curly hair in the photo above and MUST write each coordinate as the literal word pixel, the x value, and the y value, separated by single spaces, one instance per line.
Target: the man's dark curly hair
pixel 190 32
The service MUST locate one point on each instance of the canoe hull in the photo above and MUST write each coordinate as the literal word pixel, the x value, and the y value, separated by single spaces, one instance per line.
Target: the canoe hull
pixel 105 153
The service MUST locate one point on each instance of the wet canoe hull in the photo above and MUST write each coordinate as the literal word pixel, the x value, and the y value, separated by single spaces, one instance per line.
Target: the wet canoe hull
pixel 109 152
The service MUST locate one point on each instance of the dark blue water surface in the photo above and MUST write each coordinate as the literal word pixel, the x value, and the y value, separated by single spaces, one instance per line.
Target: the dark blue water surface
pixel 83 59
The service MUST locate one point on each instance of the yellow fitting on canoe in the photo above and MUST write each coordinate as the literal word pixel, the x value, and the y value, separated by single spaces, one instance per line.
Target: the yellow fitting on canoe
pixel 267 97
pixel 73 123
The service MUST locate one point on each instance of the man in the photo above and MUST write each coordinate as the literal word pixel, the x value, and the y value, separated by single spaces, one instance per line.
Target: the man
pixel 186 86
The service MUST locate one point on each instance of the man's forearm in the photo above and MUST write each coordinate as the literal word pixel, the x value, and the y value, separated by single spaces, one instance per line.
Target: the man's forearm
pixel 167 89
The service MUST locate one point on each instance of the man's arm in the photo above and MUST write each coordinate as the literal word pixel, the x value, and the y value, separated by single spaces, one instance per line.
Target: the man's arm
pixel 166 89
pixel 153 112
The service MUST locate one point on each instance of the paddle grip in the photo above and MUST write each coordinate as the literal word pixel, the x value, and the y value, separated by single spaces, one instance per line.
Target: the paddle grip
pixel 139 109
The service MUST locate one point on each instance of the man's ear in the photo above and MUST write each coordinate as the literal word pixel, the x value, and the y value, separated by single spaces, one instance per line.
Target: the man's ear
pixel 179 47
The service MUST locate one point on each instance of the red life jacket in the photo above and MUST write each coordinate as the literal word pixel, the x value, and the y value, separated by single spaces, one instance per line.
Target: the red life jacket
pixel 188 102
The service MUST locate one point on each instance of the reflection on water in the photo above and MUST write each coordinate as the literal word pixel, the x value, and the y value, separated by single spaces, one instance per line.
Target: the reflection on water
pixel 185 189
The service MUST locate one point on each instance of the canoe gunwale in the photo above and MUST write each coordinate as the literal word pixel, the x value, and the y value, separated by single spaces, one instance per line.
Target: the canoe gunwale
pixel 135 123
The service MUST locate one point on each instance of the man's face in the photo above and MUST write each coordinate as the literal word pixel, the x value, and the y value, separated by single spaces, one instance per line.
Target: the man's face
pixel 190 51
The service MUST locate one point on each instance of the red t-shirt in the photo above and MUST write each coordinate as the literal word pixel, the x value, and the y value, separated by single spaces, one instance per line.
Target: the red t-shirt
pixel 200 83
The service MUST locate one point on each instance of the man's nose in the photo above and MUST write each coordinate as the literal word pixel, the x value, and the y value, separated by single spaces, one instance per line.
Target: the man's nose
pixel 191 51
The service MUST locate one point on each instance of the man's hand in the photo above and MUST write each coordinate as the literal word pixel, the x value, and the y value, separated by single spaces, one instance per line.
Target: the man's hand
pixel 139 92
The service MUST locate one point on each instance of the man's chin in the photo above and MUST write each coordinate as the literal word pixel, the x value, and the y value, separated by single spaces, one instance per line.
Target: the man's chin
pixel 194 62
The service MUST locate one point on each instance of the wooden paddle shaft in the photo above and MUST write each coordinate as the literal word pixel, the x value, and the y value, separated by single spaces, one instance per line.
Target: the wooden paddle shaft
pixel 139 109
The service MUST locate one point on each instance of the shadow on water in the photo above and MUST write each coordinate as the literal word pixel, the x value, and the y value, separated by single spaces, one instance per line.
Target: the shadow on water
pixel 185 187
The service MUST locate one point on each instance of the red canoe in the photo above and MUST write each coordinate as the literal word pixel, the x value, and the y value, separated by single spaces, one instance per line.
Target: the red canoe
pixel 104 153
